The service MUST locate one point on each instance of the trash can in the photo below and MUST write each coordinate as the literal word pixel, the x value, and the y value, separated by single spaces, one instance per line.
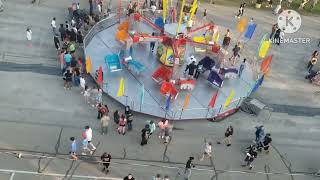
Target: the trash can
pixel 258 6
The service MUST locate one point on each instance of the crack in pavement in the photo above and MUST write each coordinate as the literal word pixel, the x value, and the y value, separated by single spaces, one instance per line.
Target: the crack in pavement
pixel 285 161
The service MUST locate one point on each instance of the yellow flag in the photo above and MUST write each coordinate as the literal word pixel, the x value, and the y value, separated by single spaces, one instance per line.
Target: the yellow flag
pixel 193 9
pixel 165 8
pixel 121 88
pixel 186 101
pixel 88 64
pixel 181 15
pixel 229 99
pixel 216 38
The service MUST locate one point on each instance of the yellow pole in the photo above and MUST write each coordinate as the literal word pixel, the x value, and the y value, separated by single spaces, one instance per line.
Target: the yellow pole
pixel 180 17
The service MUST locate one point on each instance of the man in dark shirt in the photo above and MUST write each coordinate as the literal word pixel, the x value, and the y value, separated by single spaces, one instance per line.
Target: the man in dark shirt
pixel 129 177
pixel 189 165
pixel 106 159
pixel 191 67
pixel 266 142
pixel 62 31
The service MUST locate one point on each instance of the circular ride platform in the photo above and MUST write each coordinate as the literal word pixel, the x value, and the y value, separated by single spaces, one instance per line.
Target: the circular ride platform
pixel 101 42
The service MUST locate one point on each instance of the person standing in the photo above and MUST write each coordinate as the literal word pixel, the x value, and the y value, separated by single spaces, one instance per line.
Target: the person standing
pixel 198 70
pixel 242 66
pixel 129 117
pixel 145 132
pixel 82 84
pixel 106 159
pixel 91 6
pixel 122 125
pixel 104 124
pixel 228 135
pixel 73 152
pixel 29 37
pixel 129 177
pixel 56 42
pixel 116 117
pixel 207 150
pixel 86 94
pixel 88 130
pixel 276 37
pixel 152 43
pixel 62 32
pixel 79 38
pixel 191 67
pixel 273 30
pixel 205 14
pixel 313 61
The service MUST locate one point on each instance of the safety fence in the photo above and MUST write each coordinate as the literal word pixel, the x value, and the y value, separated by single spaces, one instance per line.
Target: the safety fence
pixel 156 104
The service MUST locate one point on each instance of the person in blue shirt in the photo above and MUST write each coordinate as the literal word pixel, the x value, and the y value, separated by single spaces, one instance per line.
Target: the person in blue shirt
pixel 73 151
pixel 67 59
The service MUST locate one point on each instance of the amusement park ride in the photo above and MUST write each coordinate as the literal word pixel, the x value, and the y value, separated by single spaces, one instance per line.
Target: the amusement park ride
pixel 172 38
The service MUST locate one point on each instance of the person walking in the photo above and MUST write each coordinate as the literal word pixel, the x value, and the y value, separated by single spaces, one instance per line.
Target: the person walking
pixel 162 126
pixel 260 134
pixel 188 167
pixel 250 156
pixel 226 40
pixel 313 61
pixel 104 121
pixel 129 117
pixel 145 132
pixel 241 10
pixel 29 37
pixel 67 59
pixel 122 125
pixel 101 110
pixel 198 70
pixel 116 117
pixel 129 177
pixel 91 147
pixel 106 159
pixel 242 66
pixel 152 127
pixel 235 53
pixel 267 142
pixel 53 25
pixel 152 43
pixel 207 151
pixel 73 151
pixel 56 42
pixel 68 79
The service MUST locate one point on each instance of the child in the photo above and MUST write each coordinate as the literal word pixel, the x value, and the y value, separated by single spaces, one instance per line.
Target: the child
pixel 86 94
